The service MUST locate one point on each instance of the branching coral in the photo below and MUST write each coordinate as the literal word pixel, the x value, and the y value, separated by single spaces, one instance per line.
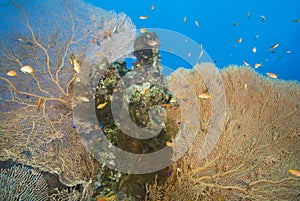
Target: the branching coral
pixel 259 143
pixel 22 183
pixel 36 108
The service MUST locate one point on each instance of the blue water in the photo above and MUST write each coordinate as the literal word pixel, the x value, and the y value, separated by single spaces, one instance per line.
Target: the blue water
pixel 217 33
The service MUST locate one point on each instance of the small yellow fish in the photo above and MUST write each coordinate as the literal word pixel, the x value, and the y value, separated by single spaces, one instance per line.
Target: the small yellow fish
pixel 184 19
pixel 102 105
pixel 274 46
pixel 254 49
pixel 204 95
pixel 11 73
pixel 143 30
pixel 22 39
pixel 272 75
pixel 246 63
pixel 257 65
pixel 143 17
pixel 239 40
pixel 197 23
pixel 27 69
pixel 169 144
pixel 295 172
pixel 263 18
pixel 84 99
pixel 76 65
pixel 39 102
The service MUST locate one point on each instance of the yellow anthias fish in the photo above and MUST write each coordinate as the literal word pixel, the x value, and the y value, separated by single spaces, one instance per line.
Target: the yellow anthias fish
pixel 102 105
pixel 27 69
pixel 295 172
pixel 272 75
pixel 204 95
pixel 143 17
pixel 11 73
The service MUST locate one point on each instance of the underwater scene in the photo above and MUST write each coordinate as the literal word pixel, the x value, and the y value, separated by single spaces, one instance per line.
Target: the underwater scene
pixel 149 100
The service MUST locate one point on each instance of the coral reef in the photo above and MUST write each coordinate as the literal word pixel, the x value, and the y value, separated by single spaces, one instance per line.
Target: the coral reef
pixel 22 183
pixel 257 146
pixel 55 46
pixel 53 41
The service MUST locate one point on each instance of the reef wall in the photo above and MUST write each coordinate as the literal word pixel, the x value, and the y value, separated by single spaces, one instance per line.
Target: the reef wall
pixel 257 146
pixel 44 45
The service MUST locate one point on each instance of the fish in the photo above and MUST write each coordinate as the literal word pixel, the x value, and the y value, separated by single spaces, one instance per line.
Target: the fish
pixel 143 30
pixel 102 105
pixel 189 54
pixel 256 37
pixel 288 51
pixel 245 86
pixel 27 69
pixel 274 46
pixel 39 102
pixel 295 172
pixel 197 23
pixel 246 63
pixel 239 40
pixel 235 24
pixel 184 19
pixel 11 73
pixel 84 99
pixel 248 15
pixel 257 65
pixel 169 144
pixel 263 18
pixel 22 39
pixel 296 20
pixel 143 17
pixel 152 7
pixel 201 54
pixel 254 49
pixel 76 65
pixel 204 95
pixel 272 75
